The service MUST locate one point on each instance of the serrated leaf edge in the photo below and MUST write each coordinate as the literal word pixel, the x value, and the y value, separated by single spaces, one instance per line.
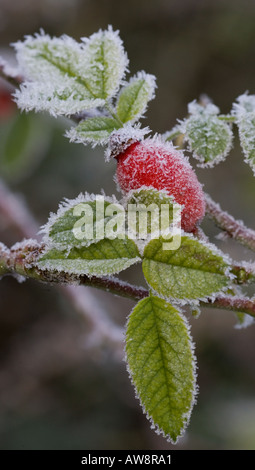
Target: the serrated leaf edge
pixel 74 136
pixel 44 265
pixel 186 416
pixel 219 158
pixel 151 81
pixel 64 206
pixel 186 301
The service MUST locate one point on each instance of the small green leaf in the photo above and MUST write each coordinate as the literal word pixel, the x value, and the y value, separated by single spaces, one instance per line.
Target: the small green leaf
pixel 106 63
pixel 162 365
pixel 95 130
pixel 208 137
pixel 244 111
pixel 194 270
pixel 246 127
pixel 135 96
pixel 101 258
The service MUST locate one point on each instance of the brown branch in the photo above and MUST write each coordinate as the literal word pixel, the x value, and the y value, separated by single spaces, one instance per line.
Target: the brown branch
pixel 235 303
pixel 20 263
pixel 21 259
pixel 226 222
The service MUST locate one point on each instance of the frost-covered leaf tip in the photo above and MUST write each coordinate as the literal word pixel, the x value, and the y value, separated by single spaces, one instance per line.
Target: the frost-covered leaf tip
pixel 244 111
pixel 65 77
pixel 134 97
pixel 208 137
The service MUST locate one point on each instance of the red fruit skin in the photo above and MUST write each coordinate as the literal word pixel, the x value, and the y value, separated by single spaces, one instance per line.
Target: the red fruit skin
pixel 7 105
pixel 161 166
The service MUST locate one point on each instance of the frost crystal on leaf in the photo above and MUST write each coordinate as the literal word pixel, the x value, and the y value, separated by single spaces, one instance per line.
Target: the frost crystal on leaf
pixel 98 259
pixel 208 137
pixel 107 62
pixel 196 270
pixel 134 97
pixel 244 111
pixel 245 104
pixel 122 138
pixel 162 364
pixel 65 77
pixel 95 130
pixel 195 108
pixel 59 230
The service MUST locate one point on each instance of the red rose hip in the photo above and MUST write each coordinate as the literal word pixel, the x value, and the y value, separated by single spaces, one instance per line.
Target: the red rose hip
pixel 159 165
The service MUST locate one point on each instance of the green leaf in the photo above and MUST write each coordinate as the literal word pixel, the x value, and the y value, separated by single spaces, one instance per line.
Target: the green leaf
pixel 150 211
pixel 101 258
pixel 246 127
pixel 23 142
pixel 244 111
pixel 67 77
pixel 96 130
pixel 162 365
pixel 82 221
pixel 107 63
pixel 135 96
pixel 194 270
pixel 208 137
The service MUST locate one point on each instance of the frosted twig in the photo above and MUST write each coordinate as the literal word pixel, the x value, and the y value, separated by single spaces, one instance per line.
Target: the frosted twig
pixel 15 212
pixel 102 328
pixel 226 222
pixel 235 303
pixel 117 287
pixel 4 255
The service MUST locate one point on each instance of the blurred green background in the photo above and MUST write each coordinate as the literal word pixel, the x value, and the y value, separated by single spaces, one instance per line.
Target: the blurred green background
pixel 56 391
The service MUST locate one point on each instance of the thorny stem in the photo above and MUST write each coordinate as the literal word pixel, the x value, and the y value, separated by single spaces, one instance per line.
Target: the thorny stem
pixel 226 222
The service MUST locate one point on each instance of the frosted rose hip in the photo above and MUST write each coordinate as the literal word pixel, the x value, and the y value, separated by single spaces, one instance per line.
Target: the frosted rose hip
pixel 160 165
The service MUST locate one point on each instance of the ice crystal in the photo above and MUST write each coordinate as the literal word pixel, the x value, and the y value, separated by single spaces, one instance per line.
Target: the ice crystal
pixel 65 77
